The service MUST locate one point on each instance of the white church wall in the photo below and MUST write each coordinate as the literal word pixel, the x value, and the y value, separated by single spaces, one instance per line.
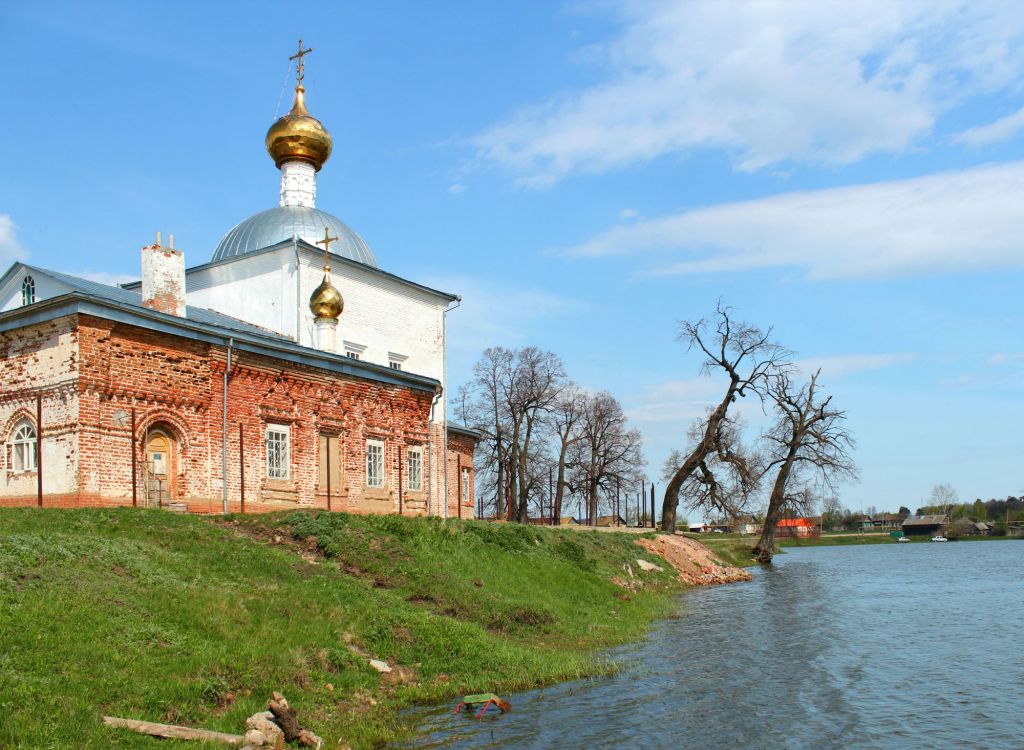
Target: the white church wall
pixel 258 289
pixel 45 287
pixel 381 314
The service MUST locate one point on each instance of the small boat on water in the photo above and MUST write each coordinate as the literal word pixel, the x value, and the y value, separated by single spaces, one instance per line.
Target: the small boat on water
pixel 938 539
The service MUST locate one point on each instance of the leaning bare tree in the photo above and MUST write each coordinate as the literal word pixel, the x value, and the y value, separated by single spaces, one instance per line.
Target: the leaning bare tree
pixel 564 419
pixel 809 443
pixel 726 479
pixel 747 356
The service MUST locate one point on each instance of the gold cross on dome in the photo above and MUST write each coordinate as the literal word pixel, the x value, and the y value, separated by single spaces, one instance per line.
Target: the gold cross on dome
pixel 326 242
pixel 298 55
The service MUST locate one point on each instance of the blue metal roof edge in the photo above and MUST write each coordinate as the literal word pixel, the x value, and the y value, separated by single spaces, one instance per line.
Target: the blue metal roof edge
pixel 269 346
pixel 463 430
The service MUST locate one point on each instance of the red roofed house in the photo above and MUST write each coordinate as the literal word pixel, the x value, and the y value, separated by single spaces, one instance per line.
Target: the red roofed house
pixel 796 527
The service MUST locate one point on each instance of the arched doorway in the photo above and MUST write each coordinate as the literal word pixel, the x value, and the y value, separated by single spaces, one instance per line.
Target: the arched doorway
pixel 159 466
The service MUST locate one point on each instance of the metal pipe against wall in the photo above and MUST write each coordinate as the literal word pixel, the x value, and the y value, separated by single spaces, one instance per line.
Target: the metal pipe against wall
pixel 39 449
pixel 328 452
pixel 135 468
pixel 458 497
pixel 224 430
pixel 400 479
pixel 241 465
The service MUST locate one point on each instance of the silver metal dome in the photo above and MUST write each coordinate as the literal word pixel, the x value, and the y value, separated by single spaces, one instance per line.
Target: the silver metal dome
pixel 280 224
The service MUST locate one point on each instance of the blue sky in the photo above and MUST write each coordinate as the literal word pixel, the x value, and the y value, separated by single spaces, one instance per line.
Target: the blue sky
pixel 586 175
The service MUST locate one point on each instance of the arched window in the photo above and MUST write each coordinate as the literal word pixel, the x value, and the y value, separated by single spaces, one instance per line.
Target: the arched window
pixel 23 446
pixel 28 290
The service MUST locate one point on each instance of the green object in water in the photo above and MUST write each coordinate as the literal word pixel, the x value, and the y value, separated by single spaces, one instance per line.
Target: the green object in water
pixel 480 698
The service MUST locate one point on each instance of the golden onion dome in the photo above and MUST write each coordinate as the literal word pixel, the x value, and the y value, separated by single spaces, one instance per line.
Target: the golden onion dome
pixel 326 301
pixel 298 136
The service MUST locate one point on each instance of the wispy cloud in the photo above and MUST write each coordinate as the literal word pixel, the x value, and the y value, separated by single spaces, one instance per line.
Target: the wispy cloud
pixel 954 221
pixel 10 249
pixel 1001 130
pixel 837 366
pixel 769 82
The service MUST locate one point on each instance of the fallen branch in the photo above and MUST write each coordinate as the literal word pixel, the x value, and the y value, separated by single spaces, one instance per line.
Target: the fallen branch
pixel 172 732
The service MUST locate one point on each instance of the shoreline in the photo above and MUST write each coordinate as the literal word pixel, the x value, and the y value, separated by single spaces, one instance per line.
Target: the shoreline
pixel 195 621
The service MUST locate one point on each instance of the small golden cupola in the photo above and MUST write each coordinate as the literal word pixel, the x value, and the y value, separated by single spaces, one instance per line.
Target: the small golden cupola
pixel 298 136
pixel 326 303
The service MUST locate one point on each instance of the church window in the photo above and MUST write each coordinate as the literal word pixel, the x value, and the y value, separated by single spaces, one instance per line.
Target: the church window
pixel 414 469
pixel 354 350
pixel 374 463
pixel 278 453
pixel 28 290
pixel 396 361
pixel 395 365
pixel 465 485
pixel 23 446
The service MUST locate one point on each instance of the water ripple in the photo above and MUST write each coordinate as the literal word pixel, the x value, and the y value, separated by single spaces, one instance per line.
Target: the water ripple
pixel 875 647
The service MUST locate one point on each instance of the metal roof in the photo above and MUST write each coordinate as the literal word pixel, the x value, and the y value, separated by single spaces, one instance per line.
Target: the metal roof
pixel 279 224
pixel 129 297
pixel 937 519
pixel 122 305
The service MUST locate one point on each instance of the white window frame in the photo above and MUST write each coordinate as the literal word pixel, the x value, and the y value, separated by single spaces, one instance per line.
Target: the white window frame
pixel 410 475
pixel 375 463
pixel 279 458
pixel 24 446
pixel 353 350
pixel 466 475
pixel 396 361
pixel 28 290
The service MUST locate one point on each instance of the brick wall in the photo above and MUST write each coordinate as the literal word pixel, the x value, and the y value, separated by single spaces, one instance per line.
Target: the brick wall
pixel 40 362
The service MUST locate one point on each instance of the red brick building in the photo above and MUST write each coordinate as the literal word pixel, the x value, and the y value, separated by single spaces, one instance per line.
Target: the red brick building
pixel 260 378
pixel 132 402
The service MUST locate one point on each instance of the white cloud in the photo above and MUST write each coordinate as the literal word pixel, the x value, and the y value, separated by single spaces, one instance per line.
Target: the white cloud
pixel 675 401
pixel 770 82
pixel 10 249
pixel 837 366
pixel 628 214
pixel 1001 130
pixel 456 188
pixel 953 221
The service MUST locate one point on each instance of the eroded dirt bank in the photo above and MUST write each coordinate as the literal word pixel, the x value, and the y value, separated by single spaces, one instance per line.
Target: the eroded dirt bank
pixel 695 563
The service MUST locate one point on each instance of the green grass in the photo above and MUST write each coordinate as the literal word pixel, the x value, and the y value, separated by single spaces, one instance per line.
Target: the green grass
pixel 186 620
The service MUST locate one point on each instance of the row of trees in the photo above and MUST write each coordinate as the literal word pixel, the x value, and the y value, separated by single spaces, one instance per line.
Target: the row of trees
pixel 945 500
pixel 797 459
pixel 548 441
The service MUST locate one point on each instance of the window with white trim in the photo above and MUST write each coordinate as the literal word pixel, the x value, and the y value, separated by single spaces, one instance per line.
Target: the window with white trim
pixel 465 485
pixel 395 365
pixel 374 463
pixel 23 446
pixel 353 350
pixel 396 361
pixel 414 469
pixel 278 451
pixel 28 290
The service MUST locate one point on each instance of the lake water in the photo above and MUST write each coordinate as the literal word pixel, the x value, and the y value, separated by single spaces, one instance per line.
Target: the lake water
pixel 882 646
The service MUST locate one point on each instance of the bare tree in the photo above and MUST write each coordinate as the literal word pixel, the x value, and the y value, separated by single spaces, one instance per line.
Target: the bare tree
pixel 564 417
pixel 810 446
pixel 607 454
pixel 510 394
pixel 747 356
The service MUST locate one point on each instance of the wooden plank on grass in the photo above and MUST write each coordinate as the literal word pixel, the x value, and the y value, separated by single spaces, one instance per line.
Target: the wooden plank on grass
pixel 172 732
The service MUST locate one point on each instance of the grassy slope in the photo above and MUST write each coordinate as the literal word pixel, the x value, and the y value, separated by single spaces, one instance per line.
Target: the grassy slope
pixel 188 620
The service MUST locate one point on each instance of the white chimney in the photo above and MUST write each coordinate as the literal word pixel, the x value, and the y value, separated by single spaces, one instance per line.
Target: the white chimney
pixel 163 280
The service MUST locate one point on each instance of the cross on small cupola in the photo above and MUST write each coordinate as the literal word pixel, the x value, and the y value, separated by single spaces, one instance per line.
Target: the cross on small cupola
pixel 326 242
pixel 298 56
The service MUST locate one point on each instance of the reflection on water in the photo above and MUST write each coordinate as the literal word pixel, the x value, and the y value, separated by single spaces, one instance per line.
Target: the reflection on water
pixel 879 647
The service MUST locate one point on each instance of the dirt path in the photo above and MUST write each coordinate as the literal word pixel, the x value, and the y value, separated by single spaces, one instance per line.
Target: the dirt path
pixel 696 564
